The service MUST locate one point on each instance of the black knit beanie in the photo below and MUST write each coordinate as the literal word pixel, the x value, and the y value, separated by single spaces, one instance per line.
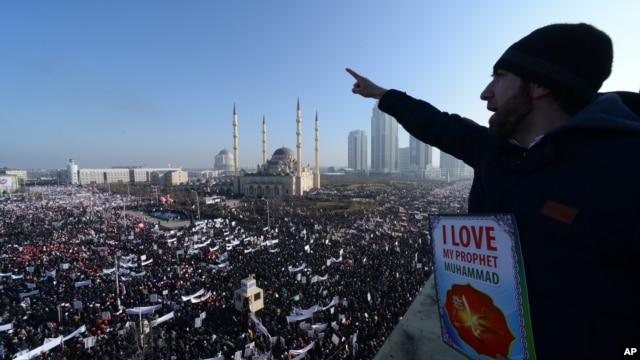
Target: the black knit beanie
pixel 570 59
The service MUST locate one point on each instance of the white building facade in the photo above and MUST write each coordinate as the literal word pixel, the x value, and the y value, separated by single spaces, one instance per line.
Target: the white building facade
pixel 358 151
pixel 154 176
pixel 384 142
pixel 72 172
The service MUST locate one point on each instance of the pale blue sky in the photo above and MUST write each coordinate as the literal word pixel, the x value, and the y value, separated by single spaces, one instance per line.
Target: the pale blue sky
pixel 154 81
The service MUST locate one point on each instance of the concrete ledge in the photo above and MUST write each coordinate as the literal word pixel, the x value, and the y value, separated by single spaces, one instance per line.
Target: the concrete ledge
pixel 418 335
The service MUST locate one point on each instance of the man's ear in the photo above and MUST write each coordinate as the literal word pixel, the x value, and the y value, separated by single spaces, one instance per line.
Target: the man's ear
pixel 538 91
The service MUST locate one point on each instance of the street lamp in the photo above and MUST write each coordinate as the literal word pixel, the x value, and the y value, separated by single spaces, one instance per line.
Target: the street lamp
pixel 268 216
pixel 115 258
pixel 197 202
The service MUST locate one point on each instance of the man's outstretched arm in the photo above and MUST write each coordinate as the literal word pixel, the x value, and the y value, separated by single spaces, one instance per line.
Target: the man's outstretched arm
pixel 365 87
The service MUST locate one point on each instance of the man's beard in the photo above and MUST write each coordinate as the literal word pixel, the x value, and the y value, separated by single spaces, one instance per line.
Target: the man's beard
pixel 506 120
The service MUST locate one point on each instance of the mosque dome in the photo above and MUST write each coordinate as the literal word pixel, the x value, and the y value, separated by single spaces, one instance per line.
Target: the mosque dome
pixel 282 161
pixel 283 153
pixel 224 160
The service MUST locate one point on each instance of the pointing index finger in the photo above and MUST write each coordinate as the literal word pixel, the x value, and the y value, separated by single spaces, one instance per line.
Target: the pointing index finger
pixel 354 74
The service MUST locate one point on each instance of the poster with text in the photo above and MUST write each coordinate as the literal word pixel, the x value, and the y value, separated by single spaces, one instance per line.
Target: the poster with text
pixel 480 284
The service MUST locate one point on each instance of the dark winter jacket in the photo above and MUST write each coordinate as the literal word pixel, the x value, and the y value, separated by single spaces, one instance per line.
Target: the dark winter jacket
pixel 576 199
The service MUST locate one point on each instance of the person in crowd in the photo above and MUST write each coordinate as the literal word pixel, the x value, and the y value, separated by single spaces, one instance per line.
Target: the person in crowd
pixel 58 275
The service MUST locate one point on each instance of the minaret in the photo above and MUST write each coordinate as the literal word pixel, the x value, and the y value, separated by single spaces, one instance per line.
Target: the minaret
pixel 235 140
pixel 299 138
pixel 316 174
pixel 264 140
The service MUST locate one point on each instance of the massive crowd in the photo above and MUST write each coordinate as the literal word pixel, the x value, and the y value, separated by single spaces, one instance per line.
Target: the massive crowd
pixel 355 272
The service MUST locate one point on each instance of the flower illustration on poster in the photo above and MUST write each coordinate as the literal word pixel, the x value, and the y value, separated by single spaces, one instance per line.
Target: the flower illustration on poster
pixel 478 321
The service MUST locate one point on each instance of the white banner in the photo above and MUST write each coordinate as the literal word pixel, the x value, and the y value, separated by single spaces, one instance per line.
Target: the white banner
pixel 162 319
pixel 195 300
pixel 317 278
pixel 292 269
pixel 259 325
pixel 333 302
pixel 80 330
pixel 5 181
pixel 332 260
pixel 40 350
pixel 302 351
pixel 27 294
pixel 189 297
pixel 144 310
pixel 294 318
pixel 83 283
pixel 311 310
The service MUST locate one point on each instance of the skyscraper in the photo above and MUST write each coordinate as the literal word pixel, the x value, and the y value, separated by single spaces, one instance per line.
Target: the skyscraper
pixel 452 167
pixel 72 172
pixel 419 154
pixel 403 158
pixel 357 155
pixel 384 142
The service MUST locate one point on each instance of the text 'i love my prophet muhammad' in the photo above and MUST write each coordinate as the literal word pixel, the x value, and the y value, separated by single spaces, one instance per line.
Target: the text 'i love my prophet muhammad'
pixel 474 250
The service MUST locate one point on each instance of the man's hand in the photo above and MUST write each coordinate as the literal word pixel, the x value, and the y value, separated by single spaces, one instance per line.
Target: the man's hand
pixel 365 87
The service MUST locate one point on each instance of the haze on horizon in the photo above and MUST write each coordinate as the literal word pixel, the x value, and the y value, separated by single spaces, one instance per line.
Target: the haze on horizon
pixel 155 82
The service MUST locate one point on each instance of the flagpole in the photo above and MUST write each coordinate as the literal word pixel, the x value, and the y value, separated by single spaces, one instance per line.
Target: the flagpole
pixel 141 331
pixel 124 213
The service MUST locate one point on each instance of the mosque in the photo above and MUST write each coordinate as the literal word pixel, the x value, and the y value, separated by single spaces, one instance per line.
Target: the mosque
pixel 281 175
pixel 224 162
